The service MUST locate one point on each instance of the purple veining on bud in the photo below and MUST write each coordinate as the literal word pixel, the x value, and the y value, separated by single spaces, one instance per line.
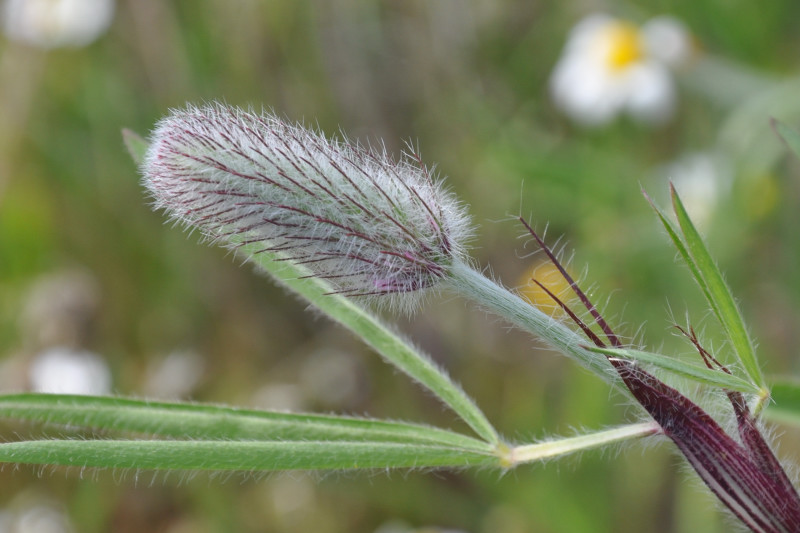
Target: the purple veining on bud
pixel 350 214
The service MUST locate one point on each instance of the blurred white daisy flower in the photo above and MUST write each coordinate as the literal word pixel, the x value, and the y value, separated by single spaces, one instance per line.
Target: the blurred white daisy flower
pixel 56 23
pixel 68 371
pixel 610 66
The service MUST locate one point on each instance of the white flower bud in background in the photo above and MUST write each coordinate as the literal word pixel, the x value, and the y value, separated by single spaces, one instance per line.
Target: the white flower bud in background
pixel 351 214
pixel 56 23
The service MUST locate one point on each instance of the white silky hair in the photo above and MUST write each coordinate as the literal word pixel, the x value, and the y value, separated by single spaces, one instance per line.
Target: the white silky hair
pixel 372 226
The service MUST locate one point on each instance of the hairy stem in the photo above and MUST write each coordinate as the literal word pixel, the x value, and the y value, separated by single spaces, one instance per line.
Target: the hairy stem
pixel 540 451
pixel 495 298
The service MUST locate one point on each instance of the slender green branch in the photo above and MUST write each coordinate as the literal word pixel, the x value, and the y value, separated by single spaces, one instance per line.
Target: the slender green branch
pixel 502 302
pixel 557 448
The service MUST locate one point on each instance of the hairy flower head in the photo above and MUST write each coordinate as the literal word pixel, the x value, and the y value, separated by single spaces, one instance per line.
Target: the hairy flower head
pixel 351 214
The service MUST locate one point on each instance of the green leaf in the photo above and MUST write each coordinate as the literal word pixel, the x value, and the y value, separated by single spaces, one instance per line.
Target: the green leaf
pixel 204 422
pixel 785 405
pixel 674 235
pixel 369 328
pixel 135 144
pixel 790 136
pixel 718 294
pixel 716 378
pixel 204 437
pixel 711 283
pixel 239 455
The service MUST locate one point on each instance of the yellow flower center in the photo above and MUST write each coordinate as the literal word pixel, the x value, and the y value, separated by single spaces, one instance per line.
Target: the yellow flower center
pixel 624 45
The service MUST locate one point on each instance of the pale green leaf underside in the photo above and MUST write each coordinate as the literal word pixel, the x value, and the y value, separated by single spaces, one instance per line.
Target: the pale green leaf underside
pixel 239 455
pixel 715 378
pixel 207 422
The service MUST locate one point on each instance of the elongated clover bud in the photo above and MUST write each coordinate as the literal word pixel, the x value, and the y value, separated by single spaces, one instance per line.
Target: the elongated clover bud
pixel 351 214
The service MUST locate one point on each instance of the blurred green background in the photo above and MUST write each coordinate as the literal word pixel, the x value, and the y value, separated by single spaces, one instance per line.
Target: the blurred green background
pixel 467 81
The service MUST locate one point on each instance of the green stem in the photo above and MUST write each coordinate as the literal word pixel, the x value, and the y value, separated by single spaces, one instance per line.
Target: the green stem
pixel 499 300
pixel 557 448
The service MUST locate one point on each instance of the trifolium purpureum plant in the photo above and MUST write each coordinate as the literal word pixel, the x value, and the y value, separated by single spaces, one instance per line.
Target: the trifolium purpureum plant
pixel 345 226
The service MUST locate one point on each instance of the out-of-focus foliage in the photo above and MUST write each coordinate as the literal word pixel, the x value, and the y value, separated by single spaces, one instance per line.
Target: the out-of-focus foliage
pixel 86 267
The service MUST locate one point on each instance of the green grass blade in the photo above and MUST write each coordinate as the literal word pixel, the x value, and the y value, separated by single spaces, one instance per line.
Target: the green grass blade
pixel 250 456
pixel 715 378
pixel 207 422
pixel 674 235
pixel 789 135
pixel 718 294
pixel 136 145
pixel 785 405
